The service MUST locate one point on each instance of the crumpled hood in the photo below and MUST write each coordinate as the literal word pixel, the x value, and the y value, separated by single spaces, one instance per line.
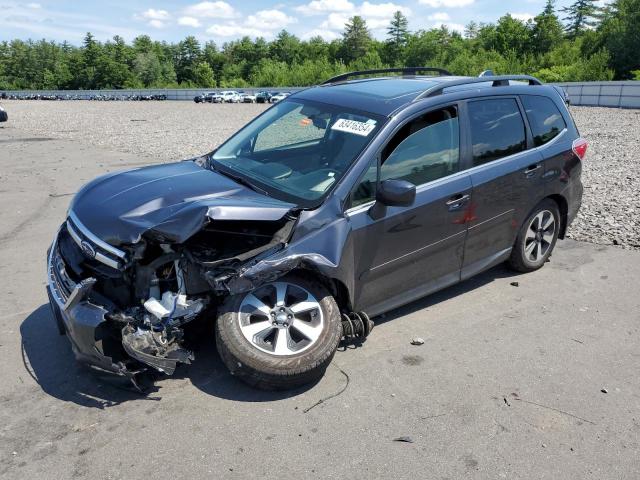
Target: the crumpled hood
pixel 173 201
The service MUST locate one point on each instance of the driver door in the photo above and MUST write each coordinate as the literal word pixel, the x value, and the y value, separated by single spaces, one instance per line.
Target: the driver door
pixel 408 252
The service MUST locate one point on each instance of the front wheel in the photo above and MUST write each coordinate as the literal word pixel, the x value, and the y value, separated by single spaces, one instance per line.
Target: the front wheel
pixel 281 335
pixel 536 238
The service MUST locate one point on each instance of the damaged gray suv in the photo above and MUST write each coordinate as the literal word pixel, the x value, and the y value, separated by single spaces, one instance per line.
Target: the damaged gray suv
pixel 337 204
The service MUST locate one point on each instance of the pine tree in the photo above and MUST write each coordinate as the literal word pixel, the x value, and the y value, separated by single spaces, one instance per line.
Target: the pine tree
pixel 471 30
pixel 397 38
pixel 547 29
pixel 580 16
pixel 355 39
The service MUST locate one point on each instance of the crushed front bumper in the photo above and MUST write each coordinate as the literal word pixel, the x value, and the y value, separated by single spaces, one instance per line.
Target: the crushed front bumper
pixel 83 322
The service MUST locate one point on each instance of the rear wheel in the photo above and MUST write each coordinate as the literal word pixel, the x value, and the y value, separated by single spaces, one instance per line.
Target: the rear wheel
pixel 536 238
pixel 281 335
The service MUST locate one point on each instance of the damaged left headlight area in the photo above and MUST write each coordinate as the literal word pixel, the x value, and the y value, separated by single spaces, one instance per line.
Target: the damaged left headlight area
pixel 128 316
pixel 125 309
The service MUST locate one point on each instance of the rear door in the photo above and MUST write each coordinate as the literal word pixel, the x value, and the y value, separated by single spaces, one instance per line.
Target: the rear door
pixel 407 252
pixel 507 179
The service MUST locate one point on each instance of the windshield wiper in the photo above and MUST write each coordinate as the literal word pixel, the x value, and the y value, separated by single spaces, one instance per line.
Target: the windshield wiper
pixel 238 179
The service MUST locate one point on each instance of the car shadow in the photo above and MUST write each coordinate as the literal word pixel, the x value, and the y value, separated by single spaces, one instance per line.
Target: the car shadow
pixel 49 360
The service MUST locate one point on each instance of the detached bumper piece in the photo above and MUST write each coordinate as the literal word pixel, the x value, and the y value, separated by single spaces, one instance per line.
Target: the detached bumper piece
pixel 153 349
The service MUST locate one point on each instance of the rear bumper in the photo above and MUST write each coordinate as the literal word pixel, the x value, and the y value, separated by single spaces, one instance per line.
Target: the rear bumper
pixel 575 201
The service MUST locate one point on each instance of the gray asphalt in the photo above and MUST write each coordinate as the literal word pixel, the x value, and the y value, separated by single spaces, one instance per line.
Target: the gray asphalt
pixel 507 384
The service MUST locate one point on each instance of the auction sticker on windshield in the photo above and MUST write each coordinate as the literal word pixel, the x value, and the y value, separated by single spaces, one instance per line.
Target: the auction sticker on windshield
pixel 352 126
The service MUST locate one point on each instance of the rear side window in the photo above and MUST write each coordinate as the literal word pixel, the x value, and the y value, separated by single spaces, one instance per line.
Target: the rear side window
pixel 544 118
pixel 497 129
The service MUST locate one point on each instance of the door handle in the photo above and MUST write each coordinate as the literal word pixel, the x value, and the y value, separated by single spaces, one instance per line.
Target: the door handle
pixel 531 169
pixel 457 201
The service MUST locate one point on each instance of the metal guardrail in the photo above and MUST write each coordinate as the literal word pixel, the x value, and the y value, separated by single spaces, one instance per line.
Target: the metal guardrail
pixel 623 94
pixel 171 93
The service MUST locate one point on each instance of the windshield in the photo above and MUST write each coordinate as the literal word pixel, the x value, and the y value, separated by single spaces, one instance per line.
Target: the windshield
pixel 297 150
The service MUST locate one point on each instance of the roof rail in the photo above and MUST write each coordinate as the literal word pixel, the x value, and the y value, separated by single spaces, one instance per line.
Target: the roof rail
pixel 498 81
pixel 403 70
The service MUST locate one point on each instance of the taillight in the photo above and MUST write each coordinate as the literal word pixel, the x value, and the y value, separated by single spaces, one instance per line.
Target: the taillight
pixel 579 147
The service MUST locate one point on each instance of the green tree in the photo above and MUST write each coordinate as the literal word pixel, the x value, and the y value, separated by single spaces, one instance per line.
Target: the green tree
pixel 187 56
pixel 621 37
pixel 397 37
pixel 356 39
pixel 580 16
pixel 203 75
pixel 547 29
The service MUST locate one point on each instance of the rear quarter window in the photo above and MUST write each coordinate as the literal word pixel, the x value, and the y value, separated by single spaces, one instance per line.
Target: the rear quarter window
pixel 497 129
pixel 544 118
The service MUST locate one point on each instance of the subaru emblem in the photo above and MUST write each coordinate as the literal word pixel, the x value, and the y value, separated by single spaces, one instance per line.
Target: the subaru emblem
pixel 87 249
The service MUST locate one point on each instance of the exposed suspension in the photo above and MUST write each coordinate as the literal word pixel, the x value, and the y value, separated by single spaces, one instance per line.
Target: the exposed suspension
pixel 356 325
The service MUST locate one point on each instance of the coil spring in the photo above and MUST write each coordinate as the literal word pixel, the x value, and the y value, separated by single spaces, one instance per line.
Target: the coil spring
pixel 356 325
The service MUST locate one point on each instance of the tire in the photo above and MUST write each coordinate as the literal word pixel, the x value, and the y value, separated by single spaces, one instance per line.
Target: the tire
pixel 265 351
pixel 536 238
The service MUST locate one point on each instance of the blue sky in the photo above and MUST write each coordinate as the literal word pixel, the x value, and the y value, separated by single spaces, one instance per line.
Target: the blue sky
pixel 226 20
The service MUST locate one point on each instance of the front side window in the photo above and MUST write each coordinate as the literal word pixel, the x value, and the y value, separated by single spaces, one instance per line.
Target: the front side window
pixel 297 150
pixel 497 129
pixel 545 119
pixel 425 149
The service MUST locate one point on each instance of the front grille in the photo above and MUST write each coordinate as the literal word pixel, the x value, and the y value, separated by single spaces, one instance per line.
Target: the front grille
pixel 60 282
pixel 92 247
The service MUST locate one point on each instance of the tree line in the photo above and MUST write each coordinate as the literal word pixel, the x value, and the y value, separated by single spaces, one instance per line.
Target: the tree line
pixel 581 42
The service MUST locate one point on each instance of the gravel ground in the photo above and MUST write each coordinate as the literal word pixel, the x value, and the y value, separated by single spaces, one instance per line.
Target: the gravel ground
pixel 610 211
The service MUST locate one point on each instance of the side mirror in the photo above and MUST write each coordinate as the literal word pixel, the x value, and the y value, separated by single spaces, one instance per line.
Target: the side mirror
pixel 396 193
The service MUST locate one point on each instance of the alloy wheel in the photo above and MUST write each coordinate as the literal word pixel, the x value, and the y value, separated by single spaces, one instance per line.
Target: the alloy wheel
pixel 539 236
pixel 281 319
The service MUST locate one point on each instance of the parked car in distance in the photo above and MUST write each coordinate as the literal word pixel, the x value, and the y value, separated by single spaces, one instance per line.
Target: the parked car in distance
pixel 248 98
pixel 230 96
pixel 4 116
pixel 263 97
pixel 204 97
pixel 339 203
pixel 279 96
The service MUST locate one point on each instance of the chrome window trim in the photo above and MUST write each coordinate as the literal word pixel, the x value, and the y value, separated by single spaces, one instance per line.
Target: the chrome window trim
pixel 419 188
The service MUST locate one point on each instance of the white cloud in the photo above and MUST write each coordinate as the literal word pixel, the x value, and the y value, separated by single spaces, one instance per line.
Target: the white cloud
pixel 260 24
pixel 377 15
pixel 319 32
pixel 35 6
pixel 154 18
pixel 335 21
pixel 269 20
pixel 157 23
pixel 446 3
pixel 522 16
pixel 211 10
pixel 456 27
pixel 233 29
pixel 189 22
pixel 381 10
pixel 319 7
pixel 439 16
pixel 153 14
